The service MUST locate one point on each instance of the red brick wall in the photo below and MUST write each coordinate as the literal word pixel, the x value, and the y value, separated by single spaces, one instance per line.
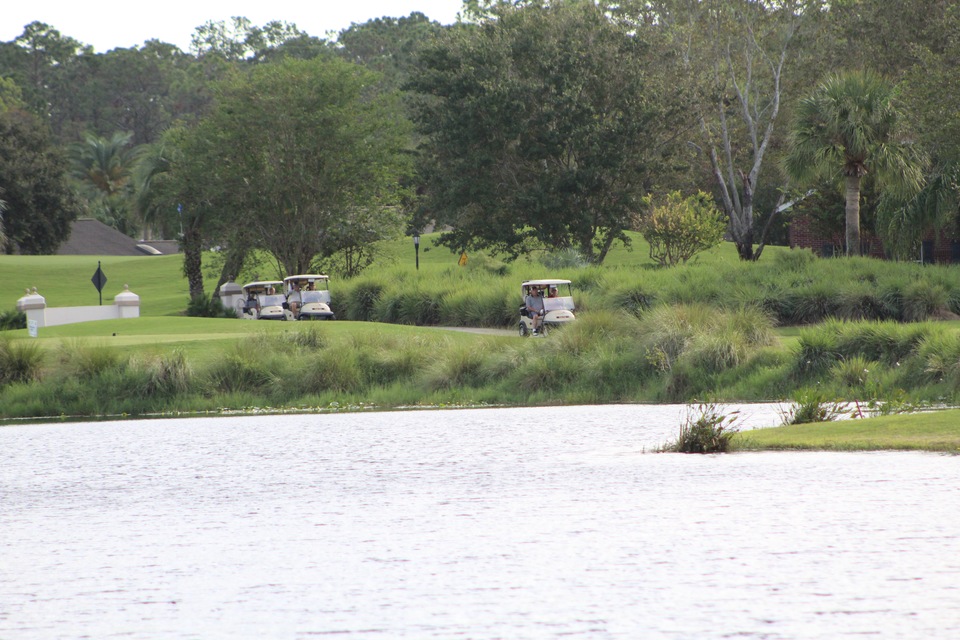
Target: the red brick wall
pixel 802 234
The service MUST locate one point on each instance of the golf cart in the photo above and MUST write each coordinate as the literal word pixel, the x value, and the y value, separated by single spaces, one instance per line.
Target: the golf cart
pixel 558 304
pixel 308 297
pixel 259 303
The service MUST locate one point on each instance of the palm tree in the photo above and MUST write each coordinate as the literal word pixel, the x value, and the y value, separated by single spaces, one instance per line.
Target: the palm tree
pixel 101 168
pixel 850 127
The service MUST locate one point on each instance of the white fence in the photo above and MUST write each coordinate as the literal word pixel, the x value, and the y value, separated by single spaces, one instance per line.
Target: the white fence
pixel 125 305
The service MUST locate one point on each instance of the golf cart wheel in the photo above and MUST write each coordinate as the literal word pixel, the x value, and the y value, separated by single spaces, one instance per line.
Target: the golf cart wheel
pixel 523 330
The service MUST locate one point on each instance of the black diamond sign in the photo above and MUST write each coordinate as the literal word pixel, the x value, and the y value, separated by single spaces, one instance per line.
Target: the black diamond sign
pixel 99 279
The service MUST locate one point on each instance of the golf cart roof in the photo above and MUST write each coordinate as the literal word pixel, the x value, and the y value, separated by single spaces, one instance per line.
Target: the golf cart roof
pixel 262 285
pixel 544 283
pixel 306 277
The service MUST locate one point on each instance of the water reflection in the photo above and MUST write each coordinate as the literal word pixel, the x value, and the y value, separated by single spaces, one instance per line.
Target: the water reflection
pixel 504 523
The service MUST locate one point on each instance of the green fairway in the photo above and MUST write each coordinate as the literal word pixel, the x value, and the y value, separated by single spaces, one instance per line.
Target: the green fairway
pixel 66 281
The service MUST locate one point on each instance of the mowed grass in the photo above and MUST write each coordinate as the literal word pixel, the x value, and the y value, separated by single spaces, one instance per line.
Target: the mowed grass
pixel 927 431
pixel 202 340
pixel 66 281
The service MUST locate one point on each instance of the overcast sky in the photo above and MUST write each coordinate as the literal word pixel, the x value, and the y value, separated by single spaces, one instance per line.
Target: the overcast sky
pixel 108 24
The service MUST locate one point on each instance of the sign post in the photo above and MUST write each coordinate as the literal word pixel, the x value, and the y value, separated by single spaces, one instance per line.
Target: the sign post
pixel 99 281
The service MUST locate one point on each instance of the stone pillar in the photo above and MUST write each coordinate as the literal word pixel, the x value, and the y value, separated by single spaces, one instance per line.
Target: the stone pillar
pixel 128 303
pixel 230 296
pixel 34 306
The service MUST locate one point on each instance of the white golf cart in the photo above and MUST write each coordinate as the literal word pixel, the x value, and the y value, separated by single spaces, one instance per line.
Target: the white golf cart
pixel 558 304
pixel 308 297
pixel 263 300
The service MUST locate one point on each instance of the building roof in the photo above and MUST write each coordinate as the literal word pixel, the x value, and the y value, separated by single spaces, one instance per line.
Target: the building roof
pixel 90 237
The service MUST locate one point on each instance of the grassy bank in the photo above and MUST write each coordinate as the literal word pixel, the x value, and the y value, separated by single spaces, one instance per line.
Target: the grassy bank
pixel 927 431
pixel 714 330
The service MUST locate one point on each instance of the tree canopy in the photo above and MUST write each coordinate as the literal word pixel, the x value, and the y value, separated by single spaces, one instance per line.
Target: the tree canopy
pixel 304 154
pixel 851 127
pixel 544 127
pixel 544 123
pixel 33 184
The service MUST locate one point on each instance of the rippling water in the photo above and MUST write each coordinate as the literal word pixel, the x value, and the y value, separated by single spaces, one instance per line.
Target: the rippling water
pixel 481 524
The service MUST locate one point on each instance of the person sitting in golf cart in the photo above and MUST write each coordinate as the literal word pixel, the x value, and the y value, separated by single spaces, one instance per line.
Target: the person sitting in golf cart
pixel 251 305
pixel 534 303
pixel 293 298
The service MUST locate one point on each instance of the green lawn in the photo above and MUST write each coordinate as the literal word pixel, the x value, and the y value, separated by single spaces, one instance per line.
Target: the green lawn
pixel 929 431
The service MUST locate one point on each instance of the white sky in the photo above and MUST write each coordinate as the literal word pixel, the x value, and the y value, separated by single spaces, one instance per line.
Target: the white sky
pixel 108 24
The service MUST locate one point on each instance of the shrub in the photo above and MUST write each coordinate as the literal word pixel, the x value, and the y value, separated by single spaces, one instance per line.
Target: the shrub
pixel 13 319
pixel 679 228
pixel 707 430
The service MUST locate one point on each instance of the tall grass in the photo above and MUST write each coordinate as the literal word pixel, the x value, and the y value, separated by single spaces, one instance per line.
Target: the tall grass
pixel 706 429
pixel 19 361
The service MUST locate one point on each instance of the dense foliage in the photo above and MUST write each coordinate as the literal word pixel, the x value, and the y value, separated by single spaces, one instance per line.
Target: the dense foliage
pixel 38 204
pixel 539 123
pixel 547 124
pixel 679 228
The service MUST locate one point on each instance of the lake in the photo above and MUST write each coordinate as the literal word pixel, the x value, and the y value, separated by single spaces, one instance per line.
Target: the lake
pixel 483 523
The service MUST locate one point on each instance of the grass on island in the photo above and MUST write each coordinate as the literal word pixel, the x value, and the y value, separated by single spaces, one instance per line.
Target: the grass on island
pixel 922 431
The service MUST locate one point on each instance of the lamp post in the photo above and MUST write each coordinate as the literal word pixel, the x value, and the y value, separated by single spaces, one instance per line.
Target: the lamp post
pixel 416 248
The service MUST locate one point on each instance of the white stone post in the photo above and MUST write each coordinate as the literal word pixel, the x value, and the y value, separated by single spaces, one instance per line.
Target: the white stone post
pixel 128 303
pixel 230 296
pixel 34 306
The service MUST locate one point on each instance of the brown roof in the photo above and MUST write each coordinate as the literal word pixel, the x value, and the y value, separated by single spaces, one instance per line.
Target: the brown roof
pixel 90 237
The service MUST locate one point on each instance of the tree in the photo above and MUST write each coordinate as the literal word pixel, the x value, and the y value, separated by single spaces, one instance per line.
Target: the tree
pixel 387 45
pixel 293 151
pixel 544 126
pixel 737 52
pixel 102 170
pixel 241 39
pixel 679 228
pixel 930 94
pixel 33 180
pixel 851 126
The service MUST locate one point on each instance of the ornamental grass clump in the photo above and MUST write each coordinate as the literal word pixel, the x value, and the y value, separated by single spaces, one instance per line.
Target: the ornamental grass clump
pixel 922 299
pixel 19 361
pixel 706 430
pixel 810 407
pixel 84 361
pixel 854 372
